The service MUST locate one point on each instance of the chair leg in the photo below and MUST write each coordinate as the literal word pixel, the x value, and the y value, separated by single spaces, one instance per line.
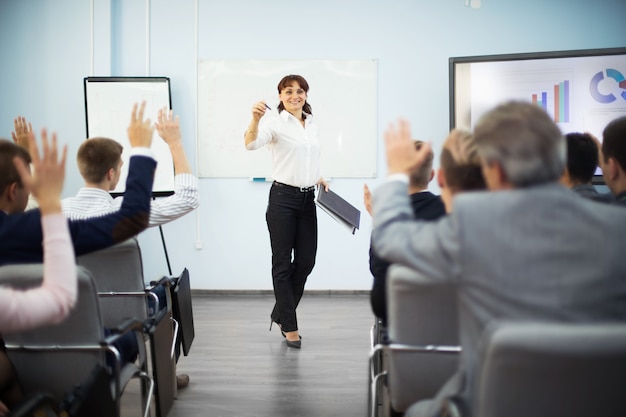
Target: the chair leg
pixel 147 397
pixel 375 393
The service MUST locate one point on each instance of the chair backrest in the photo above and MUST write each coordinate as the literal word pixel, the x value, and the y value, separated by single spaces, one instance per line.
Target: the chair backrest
pixel 420 314
pixel 56 372
pixel 551 369
pixel 118 269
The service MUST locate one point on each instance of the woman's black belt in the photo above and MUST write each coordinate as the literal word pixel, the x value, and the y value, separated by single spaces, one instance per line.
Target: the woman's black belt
pixel 300 189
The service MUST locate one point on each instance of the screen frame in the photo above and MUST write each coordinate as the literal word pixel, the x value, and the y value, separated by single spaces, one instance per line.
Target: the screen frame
pixel 454 61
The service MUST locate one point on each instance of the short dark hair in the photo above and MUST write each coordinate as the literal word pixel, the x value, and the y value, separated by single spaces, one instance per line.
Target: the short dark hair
pixel 421 176
pixel 614 141
pixel 582 157
pixel 8 172
pixel 96 156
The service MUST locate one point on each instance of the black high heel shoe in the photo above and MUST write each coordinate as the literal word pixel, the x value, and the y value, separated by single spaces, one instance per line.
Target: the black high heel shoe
pixel 278 324
pixel 294 344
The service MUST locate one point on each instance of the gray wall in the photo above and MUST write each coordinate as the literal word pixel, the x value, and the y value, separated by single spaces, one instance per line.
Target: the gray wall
pixel 47 48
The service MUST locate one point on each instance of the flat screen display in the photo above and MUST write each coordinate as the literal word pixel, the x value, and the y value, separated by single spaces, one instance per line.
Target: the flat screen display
pixel 581 90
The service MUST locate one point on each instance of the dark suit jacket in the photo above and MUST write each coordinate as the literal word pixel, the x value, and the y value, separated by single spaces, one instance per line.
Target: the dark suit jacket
pixel 426 206
pixel 21 236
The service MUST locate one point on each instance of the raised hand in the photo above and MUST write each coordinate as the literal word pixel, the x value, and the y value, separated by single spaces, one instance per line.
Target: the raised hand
pixel 367 198
pixel 168 127
pixel 20 134
pixel 139 130
pixel 258 110
pixel 402 157
pixel 46 183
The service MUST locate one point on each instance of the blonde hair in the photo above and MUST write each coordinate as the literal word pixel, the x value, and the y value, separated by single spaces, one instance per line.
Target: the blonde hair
pixel 460 162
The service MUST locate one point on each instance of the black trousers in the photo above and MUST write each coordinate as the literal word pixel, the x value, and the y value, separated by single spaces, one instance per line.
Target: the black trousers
pixel 292 223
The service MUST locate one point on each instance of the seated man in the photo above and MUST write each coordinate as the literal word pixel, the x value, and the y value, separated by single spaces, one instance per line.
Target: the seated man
pixel 528 249
pixel 20 232
pixel 52 301
pixel 582 161
pixel 459 171
pixel 425 205
pixel 100 161
pixel 613 160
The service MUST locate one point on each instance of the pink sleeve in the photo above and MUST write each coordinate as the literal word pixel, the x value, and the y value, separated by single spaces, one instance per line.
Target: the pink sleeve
pixel 52 302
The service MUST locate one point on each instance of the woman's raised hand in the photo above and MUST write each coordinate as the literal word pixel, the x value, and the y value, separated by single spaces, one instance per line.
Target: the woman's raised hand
pixel 258 110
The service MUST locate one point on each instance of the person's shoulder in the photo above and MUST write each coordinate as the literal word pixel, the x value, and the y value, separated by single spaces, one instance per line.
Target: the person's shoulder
pixel 27 217
pixel 427 205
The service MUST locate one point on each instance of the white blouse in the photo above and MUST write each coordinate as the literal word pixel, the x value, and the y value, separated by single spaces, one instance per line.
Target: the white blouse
pixel 295 149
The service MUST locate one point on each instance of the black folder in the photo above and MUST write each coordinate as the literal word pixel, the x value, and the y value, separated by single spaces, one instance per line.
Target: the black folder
pixel 338 208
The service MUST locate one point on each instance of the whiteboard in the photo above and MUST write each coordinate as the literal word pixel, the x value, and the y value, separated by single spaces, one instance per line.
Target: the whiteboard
pixel 342 94
pixel 108 106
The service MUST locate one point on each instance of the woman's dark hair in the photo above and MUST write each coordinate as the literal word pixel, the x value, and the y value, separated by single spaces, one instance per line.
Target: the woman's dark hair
pixel 286 82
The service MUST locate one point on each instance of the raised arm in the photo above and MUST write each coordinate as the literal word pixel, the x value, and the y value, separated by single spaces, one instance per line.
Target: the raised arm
pixel 186 194
pixel 21 233
pixel 168 128
pixel 21 131
pixel 132 218
pixel 258 110
pixel 426 246
pixel 53 300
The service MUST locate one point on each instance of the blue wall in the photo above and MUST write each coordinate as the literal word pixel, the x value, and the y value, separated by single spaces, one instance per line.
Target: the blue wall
pixel 47 48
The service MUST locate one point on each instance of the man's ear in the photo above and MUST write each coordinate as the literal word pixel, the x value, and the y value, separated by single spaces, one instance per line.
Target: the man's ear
pixel 565 178
pixel 11 191
pixel 613 168
pixel 495 177
pixel 110 174
pixel 432 175
pixel 501 174
pixel 441 179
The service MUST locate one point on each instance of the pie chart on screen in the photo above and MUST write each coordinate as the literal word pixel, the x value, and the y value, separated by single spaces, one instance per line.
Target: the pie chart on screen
pixel 599 77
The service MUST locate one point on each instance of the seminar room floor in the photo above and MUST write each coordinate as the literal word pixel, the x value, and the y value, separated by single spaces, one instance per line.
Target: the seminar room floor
pixel 240 369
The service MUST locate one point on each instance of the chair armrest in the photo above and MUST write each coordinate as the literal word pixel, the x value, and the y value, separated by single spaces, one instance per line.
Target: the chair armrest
pixel 108 343
pixel 444 349
pixel 36 404
pixel 122 328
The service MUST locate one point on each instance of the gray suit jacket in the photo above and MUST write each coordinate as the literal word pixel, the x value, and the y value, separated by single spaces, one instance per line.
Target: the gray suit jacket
pixel 541 253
